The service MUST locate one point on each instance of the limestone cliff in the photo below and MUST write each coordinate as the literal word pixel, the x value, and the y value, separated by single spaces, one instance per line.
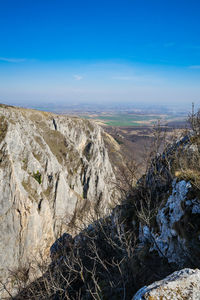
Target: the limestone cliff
pixel 152 233
pixel 175 232
pixel 52 168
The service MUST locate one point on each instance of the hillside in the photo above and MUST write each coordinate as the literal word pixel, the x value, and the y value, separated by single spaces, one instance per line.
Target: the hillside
pixel 54 170
pixel 153 233
pixel 57 184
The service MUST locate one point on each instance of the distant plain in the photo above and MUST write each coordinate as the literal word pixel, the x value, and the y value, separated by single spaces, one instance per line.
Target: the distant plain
pixel 133 119
pixel 135 132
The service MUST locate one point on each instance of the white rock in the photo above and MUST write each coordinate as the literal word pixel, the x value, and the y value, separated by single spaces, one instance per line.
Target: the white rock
pixel 170 247
pixel 34 213
pixel 180 285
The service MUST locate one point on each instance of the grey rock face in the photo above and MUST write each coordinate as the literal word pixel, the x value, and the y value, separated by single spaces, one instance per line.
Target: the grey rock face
pixel 178 221
pixel 177 236
pixel 168 240
pixel 180 285
pixel 174 233
pixel 50 167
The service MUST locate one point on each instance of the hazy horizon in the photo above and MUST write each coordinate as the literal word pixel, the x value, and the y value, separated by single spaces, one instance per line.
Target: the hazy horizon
pixel 109 52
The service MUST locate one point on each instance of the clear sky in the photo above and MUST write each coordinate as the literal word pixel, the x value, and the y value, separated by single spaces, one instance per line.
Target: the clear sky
pixel 75 51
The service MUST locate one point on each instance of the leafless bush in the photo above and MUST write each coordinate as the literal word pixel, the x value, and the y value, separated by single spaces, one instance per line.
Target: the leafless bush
pixel 96 264
pixel 187 156
pixel 104 260
pixel 194 121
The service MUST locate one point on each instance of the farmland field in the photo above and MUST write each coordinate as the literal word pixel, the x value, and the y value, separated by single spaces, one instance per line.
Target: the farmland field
pixel 132 120
pixel 134 132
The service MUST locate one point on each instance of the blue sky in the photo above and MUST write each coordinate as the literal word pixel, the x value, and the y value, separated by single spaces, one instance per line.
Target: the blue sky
pixel 100 51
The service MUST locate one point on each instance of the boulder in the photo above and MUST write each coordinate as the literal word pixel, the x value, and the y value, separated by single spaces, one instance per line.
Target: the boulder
pixel 181 285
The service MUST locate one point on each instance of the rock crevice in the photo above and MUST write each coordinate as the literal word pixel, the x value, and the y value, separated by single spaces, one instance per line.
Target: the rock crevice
pixel 48 167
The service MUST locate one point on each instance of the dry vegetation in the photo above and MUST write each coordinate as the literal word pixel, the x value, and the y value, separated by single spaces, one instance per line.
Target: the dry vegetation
pixel 106 261
pixel 3 128
pixel 103 262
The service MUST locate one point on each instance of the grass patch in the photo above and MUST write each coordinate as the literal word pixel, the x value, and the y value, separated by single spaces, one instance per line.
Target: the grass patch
pixel 188 175
pixel 25 164
pixel 39 141
pixel 38 177
pixel 3 128
pixel 37 156
pixel 32 193
pixel 57 144
pixel 47 192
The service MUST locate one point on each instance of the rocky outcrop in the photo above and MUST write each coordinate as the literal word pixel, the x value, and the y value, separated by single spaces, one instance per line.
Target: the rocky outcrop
pixel 154 231
pixel 176 235
pixel 53 169
pixel 172 197
pixel 180 285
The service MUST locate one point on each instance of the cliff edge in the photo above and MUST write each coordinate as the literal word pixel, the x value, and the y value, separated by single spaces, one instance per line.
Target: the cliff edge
pixel 54 169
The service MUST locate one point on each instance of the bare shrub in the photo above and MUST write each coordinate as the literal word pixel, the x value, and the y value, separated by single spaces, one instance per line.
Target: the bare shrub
pixel 194 121
pixel 187 160
pixel 105 260
pixel 96 264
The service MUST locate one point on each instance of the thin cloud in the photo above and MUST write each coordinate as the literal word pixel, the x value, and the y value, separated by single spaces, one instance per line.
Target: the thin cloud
pixel 12 60
pixel 123 77
pixel 78 77
pixel 196 67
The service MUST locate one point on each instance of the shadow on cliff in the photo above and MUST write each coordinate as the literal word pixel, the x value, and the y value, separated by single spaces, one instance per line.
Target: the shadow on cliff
pixel 116 255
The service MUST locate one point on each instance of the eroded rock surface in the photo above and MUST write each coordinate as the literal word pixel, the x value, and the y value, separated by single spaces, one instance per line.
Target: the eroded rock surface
pixel 52 169
pixel 180 285
pixel 177 235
